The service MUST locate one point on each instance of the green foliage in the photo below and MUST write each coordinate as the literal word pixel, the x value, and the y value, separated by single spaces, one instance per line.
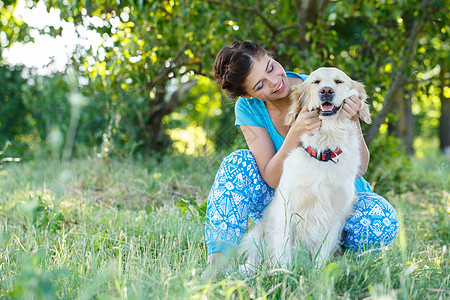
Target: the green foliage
pixel 12 29
pixel 187 204
pixel 44 217
pixel 16 124
pixel 33 281
pixel 390 168
pixel 150 48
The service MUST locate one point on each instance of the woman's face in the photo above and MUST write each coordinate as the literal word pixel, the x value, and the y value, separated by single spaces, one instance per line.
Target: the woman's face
pixel 267 80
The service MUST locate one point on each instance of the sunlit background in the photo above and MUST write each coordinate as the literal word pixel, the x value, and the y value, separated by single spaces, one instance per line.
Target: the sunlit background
pixel 127 62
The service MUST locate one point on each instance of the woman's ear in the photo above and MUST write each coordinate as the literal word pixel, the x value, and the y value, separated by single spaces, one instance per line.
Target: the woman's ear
pixel 298 97
pixel 364 111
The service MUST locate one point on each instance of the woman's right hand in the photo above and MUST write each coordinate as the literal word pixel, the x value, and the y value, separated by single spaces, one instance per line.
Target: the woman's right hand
pixel 307 122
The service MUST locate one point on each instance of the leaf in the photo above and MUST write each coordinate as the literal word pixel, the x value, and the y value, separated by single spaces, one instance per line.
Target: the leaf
pixel 330 273
pixel 186 203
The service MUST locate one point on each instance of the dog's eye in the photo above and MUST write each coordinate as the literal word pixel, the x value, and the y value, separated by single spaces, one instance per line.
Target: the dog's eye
pixel 338 81
pixel 316 81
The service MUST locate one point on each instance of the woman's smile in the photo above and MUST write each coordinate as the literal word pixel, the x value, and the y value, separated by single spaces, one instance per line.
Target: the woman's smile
pixel 267 80
pixel 280 87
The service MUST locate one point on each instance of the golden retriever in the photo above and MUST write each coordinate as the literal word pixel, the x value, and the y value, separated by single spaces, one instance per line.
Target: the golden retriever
pixel 316 192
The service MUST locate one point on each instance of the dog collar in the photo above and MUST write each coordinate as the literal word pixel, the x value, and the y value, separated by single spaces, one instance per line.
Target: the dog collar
pixel 324 156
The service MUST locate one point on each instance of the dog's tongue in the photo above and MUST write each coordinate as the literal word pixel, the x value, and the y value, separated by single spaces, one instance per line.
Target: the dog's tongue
pixel 327 107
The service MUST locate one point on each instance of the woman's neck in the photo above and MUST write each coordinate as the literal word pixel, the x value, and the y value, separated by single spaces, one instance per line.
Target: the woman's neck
pixel 280 106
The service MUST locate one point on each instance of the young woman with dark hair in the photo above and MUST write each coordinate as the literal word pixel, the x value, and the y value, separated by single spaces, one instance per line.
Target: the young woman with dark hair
pixel 246 179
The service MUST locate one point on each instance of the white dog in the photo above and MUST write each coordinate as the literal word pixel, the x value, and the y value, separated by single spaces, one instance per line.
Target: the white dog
pixel 316 192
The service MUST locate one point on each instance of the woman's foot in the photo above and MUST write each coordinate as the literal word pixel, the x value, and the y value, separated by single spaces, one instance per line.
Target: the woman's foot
pixel 216 265
pixel 216 259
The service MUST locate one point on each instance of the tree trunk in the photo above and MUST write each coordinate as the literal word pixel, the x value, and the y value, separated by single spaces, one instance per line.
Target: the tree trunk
pixel 154 130
pixel 308 11
pixel 444 124
pixel 406 122
pixel 403 127
pixel 400 76
pixel 393 124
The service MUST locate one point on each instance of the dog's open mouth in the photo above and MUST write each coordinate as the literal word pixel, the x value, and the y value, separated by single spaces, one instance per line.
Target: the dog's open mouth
pixel 328 109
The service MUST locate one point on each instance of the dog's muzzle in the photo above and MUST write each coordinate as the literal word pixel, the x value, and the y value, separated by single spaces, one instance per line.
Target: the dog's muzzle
pixel 326 96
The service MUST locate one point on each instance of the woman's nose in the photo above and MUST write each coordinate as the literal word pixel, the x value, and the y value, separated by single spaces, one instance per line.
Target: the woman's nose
pixel 272 80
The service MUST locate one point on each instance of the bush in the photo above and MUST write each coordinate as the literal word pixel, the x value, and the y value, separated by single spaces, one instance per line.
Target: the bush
pixel 390 167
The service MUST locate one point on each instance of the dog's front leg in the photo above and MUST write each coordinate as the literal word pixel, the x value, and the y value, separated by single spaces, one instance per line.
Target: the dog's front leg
pixel 329 245
pixel 281 249
pixel 281 242
pixel 278 235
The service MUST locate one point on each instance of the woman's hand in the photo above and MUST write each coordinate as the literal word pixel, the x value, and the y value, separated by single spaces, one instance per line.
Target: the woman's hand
pixel 351 108
pixel 307 121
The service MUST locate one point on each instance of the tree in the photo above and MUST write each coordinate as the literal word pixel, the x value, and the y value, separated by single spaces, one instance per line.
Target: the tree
pixel 153 52
pixel 397 87
pixel 14 119
pixel 153 48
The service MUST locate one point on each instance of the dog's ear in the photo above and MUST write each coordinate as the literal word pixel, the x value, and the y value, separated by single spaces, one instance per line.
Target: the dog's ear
pixel 298 97
pixel 364 111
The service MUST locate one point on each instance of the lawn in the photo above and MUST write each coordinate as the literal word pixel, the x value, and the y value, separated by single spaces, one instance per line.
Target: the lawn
pixel 110 229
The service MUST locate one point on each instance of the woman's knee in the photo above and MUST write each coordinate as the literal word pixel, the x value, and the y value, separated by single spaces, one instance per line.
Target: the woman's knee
pixel 373 224
pixel 239 156
pixel 390 222
pixel 228 201
pixel 238 191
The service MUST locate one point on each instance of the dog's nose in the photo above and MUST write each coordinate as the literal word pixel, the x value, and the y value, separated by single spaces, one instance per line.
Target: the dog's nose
pixel 326 91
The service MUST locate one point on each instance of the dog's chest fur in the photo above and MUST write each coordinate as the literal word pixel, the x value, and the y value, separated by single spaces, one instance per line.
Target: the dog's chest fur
pixel 318 195
pixel 300 169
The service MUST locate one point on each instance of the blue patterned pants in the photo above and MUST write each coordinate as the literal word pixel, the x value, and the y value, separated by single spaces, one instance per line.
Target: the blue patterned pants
pixel 240 192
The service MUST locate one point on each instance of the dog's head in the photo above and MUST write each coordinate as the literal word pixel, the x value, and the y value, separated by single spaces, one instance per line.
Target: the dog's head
pixel 327 88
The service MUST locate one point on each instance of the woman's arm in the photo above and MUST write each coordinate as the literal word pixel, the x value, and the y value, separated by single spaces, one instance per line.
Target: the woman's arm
pixel 270 163
pixel 365 155
pixel 350 110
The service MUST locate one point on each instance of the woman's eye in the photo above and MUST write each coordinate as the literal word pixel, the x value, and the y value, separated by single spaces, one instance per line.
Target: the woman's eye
pixel 338 81
pixel 259 87
pixel 316 81
pixel 271 69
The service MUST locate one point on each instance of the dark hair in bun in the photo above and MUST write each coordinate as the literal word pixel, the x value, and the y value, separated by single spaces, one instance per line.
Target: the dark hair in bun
pixel 232 66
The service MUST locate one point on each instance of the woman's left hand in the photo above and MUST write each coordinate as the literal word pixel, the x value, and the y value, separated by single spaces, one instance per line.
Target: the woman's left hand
pixel 351 107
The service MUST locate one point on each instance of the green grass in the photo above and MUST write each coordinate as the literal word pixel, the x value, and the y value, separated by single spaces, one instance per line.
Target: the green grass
pixel 110 230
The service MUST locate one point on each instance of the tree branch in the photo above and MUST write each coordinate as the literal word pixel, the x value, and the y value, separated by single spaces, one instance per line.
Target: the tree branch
pixel 287 27
pixel 248 9
pixel 165 72
pixel 400 76
pixel 167 107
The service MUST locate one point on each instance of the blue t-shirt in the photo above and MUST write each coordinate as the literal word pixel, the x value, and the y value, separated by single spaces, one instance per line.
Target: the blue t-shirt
pixel 253 112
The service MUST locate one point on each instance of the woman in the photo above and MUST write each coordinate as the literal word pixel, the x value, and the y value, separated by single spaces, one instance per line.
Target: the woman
pixel 246 179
